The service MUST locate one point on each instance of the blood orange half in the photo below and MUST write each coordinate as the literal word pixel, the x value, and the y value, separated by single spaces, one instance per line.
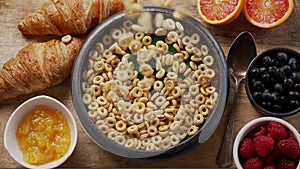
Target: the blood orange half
pixel 219 12
pixel 268 13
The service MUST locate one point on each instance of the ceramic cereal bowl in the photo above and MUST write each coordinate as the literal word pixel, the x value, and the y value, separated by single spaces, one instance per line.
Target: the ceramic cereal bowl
pixel 10 138
pixel 149 85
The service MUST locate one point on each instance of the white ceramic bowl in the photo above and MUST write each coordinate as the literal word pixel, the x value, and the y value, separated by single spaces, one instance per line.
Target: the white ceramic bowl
pixel 10 141
pixel 252 125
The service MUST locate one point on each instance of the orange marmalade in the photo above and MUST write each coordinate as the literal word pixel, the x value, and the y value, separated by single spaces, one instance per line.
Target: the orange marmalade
pixel 43 135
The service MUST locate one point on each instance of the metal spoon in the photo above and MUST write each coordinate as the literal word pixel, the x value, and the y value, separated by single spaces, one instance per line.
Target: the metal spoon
pixel 241 53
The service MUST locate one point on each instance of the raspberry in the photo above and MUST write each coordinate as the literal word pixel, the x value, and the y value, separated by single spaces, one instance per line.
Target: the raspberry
pixel 277 131
pixel 246 148
pixel 260 131
pixel 285 163
pixel 263 145
pixel 269 159
pixel 289 147
pixel 254 163
pixel 270 167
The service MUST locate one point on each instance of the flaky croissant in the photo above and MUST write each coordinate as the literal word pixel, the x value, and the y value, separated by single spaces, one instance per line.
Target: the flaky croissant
pixel 38 66
pixel 68 17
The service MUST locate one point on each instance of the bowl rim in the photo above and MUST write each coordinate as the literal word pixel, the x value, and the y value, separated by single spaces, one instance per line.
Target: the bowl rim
pixel 29 104
pixel 206 131
pixel 252 125
pixel 247 81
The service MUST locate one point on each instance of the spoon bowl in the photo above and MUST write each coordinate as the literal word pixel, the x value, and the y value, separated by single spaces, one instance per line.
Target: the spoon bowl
pixel 241 53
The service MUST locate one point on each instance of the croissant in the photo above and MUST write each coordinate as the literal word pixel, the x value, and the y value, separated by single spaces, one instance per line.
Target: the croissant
pixel 68 17
pixel 38 66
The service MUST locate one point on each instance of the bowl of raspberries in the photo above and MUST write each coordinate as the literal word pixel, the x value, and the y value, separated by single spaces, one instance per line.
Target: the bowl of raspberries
pixel 267 143
pixel 273 82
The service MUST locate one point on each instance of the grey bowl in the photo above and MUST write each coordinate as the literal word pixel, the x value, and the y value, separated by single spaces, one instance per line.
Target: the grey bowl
pixel 220 81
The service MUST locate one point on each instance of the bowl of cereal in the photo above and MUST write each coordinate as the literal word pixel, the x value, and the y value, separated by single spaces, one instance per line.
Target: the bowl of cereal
pixel 41 133
pixel 149 84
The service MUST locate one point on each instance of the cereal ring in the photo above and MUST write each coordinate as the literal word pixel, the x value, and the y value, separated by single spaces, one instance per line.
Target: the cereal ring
pixel 160 74
pixel 132 129
pixel 110 121
pixel 102 112
pixel 195 38
pixel 210 73
pixel 160 100
pixel 162 46
pixel 116 33
pixel 204 50
pixel 136 92
pixel 175 125
pixel 138 107
pixel 160 32
pixel 163 127
pixel 210 89
pixel 101 100
pixel 194 90
pixel 179 26
pixel 120 139
pixel 120 126
pixel 126 117
pixel 107 40
pixel 92 114
pixel 86 98
pixel 152 131
pixel 147 40
pixel 172 36
pixel 193 130
pixel 203 109
pixel 208 60
pixel 168 24
pixel 156 139
pixel 138 118
pixel 174 140
pixel 146 69
pixel 198 119
pixel 139 35
pixel 158 85
pixel 165 143
pixel 186 40
pixel 93 106
pixel 103 128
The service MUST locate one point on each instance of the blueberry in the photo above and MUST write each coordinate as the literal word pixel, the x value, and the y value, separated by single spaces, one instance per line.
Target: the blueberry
pixel 278 87
pixel 294 104
pixel 259 85
pixel 277 107
pixel 254 72
pixel 293 63
pixel 282 57
pixel 297 86
pixel 296 76
pixel 266 60
pixel 272 70
pixel 279 74
pixel 257 96
pixel 265 77
pixel 287 69
pixel 266 96
pixel 293 95
pixel 275 96
pixel 262 70
pixel 288 83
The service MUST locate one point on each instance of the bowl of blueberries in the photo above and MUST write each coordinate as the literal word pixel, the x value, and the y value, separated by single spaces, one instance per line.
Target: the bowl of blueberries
pixel 273 82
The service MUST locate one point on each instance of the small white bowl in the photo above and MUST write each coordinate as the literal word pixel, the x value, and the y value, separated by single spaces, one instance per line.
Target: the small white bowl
pixel 10 140
pixel 252 125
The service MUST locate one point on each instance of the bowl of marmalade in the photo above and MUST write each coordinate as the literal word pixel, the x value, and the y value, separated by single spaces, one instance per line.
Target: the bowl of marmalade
pixel 40 133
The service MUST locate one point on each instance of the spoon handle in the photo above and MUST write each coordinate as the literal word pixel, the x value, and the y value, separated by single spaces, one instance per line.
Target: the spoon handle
pixel 224 158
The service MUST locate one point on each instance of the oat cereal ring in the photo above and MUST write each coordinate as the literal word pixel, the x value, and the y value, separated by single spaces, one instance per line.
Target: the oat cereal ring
pixel 169 84
pixel 126 117
pixel 193 65
pixel 203 109
pixel 138 118
pixel 174 140
pixel 120 139
pixel 103 128
pixel 163 127
pixel 169 116
pixel 156 139
pixel 160 100
pixel 99 47
pixel 93 54
pixel 194 90
pixel 193 130
pixel 200 99
pixel 93 106
pixel 202 91
pixel 172 75
pixel 198 119
pixel 120 126
pixel 196 58
pixel 92 114
pixel 158 85
pixel 182 67
pixel 110 121
pixel 101 100
pixel 116 33
pixel 132 143
pixel 146 69
pixel 152 131
pixel 160 32
pixel 136 92
pixel 209 103
pixel 135 46
pixel 132 129
pixel 107 67
pixel 186 40
pixel 185 55
pixel 150 146
pixel 176 92
pixel 204 80
pixel 160 74
pixel 179 26
pixel 96 91
pixel 208 60
pixel 168 24
pixel 204 50
pixel 210 73
pixel 86 98
pixel 172 36
pixel 162 46
pixel 137 28
pixel 107 40
pixel 195 38
pixel 210 89
pixel 147 40
pixel 165 143
pixel 139 35
pixel 175 66
pixel 214 97
pixel 138 107
pixel 98 79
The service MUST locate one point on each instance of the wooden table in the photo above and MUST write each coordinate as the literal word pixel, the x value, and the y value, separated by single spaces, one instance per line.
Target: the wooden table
pixel 87 154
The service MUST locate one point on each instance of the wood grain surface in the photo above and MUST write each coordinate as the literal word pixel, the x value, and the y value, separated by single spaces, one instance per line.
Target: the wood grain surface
pixel 87 154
